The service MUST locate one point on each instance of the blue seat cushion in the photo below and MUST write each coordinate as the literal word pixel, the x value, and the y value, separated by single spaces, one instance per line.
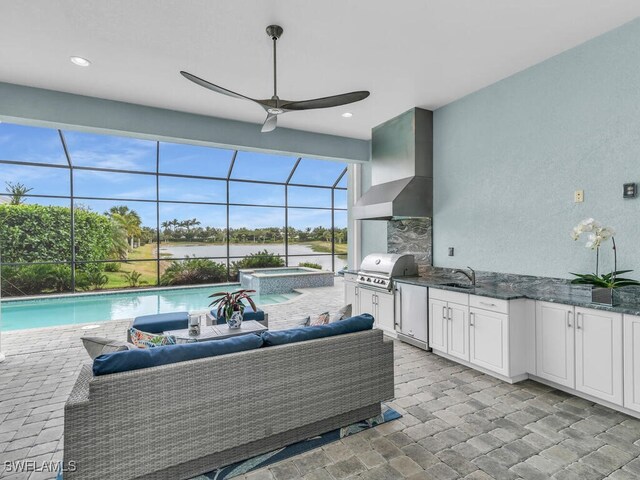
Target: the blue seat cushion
pixel 154 357
pixel 161 322
pixel 293 335
pixel 249 314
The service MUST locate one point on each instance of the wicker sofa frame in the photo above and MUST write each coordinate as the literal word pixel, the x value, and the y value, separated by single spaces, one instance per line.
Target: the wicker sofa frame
pixel 179 421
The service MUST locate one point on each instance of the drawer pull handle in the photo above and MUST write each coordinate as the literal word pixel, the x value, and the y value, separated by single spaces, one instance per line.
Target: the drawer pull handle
pixel 488 304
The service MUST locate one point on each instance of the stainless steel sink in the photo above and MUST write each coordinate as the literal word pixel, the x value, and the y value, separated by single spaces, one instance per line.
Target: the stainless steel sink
pixel 466 286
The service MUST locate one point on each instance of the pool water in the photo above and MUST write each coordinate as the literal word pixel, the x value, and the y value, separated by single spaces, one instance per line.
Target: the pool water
pixel 75 309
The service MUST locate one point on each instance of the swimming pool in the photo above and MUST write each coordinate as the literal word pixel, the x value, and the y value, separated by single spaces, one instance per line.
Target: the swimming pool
pixel 74 309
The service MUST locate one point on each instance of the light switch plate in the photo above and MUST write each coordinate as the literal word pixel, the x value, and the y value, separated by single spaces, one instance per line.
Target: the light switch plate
pixel 578 196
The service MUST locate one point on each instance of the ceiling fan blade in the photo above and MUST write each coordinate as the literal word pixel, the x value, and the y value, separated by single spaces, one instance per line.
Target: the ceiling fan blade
pixel 269 123
pixel 326 102
pixel 215 88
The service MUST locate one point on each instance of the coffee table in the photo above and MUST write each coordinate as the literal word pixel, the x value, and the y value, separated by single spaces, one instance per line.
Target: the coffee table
pixel 217 332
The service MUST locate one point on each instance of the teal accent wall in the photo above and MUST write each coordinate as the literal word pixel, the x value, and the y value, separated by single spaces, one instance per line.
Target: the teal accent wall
pixel 508 158
pixel 36 106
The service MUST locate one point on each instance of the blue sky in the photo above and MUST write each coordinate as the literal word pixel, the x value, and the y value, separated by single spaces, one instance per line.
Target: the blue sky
pixel 42 145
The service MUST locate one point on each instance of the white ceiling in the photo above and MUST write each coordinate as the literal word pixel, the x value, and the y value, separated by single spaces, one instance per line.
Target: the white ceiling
pixel 408 53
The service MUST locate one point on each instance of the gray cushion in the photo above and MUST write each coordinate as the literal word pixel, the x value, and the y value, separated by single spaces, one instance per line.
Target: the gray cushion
pixel 344 312
pixel 97 346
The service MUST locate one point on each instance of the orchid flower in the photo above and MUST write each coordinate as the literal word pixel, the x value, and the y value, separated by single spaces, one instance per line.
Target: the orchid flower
pixel 597 235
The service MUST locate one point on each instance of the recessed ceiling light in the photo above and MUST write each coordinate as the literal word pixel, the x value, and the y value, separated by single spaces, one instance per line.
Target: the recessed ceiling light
pixel 347 114
pixel 81 62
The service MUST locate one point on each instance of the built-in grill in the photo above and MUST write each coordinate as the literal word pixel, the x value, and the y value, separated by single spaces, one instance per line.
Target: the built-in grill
pixel 378 269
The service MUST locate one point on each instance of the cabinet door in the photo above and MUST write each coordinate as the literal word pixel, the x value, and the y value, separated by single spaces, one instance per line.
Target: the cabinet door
pixel 599 354
pixel 489 340
pixel 458 331
pixel 632 362
pixel 412 312
pixel 385 311
pixel 351 296
pixel 555 343
pixel 438 325
pixel 366 300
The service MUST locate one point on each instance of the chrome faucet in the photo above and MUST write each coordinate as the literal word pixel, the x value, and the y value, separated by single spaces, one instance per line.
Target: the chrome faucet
pixel 471 276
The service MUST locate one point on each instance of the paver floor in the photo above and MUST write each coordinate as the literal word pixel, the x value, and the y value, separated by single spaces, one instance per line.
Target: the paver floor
pixel 457 423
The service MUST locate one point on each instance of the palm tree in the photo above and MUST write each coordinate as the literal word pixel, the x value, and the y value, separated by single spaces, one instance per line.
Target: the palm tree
pixel 128 219
pixel 17 191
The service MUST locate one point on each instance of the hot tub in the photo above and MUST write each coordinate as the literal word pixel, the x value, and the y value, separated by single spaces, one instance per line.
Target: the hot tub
pixel 284 279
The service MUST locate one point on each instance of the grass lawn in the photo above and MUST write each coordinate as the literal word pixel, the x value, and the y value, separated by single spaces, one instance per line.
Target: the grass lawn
pixel 147 269
pixel 320 246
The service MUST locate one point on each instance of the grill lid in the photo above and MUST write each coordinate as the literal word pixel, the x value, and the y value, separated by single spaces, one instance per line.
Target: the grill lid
pixel 389 264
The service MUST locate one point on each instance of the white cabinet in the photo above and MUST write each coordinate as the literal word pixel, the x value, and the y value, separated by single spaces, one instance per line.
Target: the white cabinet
pixel 458 331
pixel 449 323
pixel 632 362
pixel 351 292
pixel 555 343
pixel 380 305
pixel 489 340
pixel 438 322
pixel 385 315
pixel 412 312
pixel 481 332
pixel 599 354
pixel 367 302
pixel 580 348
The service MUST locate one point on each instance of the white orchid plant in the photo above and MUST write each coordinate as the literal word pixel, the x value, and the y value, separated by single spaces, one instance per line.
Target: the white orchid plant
pixel 597 234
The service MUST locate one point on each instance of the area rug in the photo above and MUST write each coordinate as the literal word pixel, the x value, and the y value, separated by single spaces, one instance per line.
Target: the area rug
pixel 289 451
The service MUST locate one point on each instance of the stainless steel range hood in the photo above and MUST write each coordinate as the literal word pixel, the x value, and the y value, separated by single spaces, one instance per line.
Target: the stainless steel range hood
pixel 402 169
pixel 406 197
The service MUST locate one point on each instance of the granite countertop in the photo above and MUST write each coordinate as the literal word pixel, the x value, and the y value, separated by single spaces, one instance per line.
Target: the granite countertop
pixel 354 272
pixel 510 287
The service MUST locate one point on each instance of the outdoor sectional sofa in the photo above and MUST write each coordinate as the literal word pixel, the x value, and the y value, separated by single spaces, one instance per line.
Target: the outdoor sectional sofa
pixel 183 419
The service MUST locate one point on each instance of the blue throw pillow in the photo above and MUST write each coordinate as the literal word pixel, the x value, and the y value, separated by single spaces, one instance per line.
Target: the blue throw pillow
pixel 153 357
pixel 293 335
pixel 161 322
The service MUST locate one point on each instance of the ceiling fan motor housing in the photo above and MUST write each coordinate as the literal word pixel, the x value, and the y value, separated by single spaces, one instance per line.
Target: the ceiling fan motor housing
pixel 274 31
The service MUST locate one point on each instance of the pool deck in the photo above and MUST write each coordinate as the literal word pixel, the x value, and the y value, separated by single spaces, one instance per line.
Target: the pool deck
pixel 42 364
pixel 457 422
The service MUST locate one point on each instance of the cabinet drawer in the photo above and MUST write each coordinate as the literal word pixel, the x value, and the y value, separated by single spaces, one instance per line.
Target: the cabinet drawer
pixel 449 296
pixel 488 303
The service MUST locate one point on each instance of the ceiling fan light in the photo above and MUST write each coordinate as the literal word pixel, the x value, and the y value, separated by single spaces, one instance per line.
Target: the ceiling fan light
pixel 80 61
pixel 275 111
pixel 347 114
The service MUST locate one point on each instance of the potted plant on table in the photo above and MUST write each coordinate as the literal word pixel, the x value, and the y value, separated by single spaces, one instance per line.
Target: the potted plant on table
pixel 602 285
pixel 231 305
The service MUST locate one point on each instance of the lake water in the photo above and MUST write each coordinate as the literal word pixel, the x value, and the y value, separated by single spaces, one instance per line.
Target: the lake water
pixel 181 251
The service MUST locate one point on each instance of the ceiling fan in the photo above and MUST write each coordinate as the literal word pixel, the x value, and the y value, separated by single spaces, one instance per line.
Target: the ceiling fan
pixel 274 106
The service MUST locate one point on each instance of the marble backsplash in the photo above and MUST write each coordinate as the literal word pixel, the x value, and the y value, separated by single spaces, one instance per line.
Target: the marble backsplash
pixel 411 236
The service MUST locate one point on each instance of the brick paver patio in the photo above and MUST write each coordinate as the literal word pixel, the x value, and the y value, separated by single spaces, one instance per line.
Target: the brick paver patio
pixel 457 423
